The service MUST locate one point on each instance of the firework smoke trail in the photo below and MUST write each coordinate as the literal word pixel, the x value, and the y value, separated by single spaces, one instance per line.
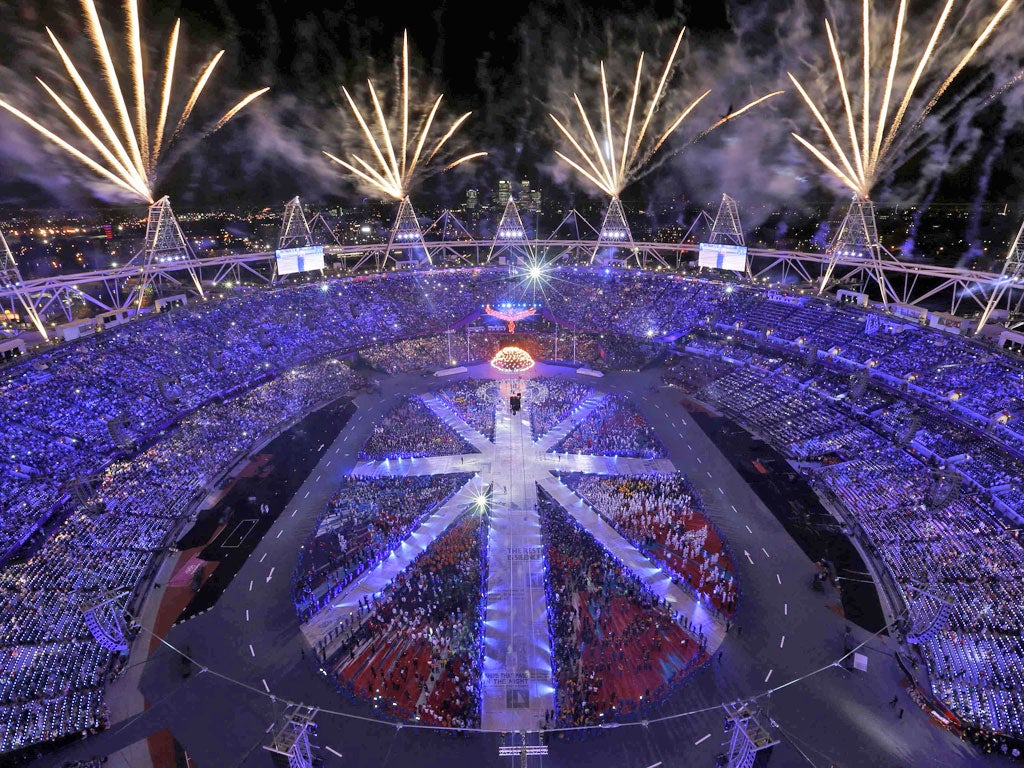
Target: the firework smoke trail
pixel 878 146
pixel 596 153
pixel 394 174
pixel 995 150
pixel 124 149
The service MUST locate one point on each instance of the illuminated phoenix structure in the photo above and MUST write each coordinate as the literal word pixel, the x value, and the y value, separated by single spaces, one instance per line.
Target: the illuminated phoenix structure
pixel 510 316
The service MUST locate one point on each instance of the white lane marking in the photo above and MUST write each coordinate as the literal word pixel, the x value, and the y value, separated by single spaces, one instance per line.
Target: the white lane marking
pixel 689 447
pixel 779 578
pixel 768 676
pixel 252 651
pixel 265 686
pixel 270 575
pixel 328 463
pixel 293 512
pixel 709 474
pixel 321 446
pixel 702 739
pixel 782 642
pixel 699 461
pixel 318 478
pixel 765 552
pixel 246 614
pixel 333 752
pixel 338 449
pixel 307 495
pixel 785 609
pixel 250 585
pixel 748 556
pixel 721 491
pixel 279 534
pixel 734 508
pixel 748 528
pixel 264 557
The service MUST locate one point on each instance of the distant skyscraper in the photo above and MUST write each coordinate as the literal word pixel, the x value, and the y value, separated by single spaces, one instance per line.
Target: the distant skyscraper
pixel 472 199
pixel 504 191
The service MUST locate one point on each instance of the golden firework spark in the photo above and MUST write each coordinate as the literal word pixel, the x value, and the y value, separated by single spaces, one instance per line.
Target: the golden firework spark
pixel 124 148
pixel 393 171
pixel 611 163
pixel 868 151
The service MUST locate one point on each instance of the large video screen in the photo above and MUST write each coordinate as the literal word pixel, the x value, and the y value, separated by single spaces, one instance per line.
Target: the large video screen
pixel 305 259
pixel 717 256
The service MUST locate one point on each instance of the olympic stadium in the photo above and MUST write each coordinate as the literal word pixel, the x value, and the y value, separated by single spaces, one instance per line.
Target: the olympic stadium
pixel 726 512
pixel 480 494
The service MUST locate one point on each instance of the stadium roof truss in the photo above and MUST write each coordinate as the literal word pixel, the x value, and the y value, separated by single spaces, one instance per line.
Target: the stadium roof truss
pixel 573 242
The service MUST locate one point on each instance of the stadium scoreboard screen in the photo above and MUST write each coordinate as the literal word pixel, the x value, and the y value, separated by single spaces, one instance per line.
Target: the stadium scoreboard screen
pixel 717 256
pixel 305 259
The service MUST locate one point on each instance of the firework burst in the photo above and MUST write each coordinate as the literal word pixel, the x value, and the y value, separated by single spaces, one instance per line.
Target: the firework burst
pixel 616 153
pixel 398 159
pixel 115 135
pixel 871 142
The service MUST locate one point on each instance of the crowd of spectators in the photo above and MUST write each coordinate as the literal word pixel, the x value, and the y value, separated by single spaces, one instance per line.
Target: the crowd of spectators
pixel 413 355
pixel 411 429
pixel 416 649
pixel 478 343
pixel 614 428
pixel 73 409
pixel 475 401
pixel 878 455
pixel 551 399
pixel 362 524
pixel 663 517
pixel 634 303
pixel 616 647
pixel 112 539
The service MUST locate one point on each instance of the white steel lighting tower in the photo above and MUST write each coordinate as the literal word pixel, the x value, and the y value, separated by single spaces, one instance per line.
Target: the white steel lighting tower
pixel 1011 278
pixel 294 227
pixel 10 280
pixel 856 242
pixel 104 618
pixel 290 743
pixel 165 245
pixel 747 736
pixel 726 229
pixel 613 235
pixel 407 233
pixel 510 238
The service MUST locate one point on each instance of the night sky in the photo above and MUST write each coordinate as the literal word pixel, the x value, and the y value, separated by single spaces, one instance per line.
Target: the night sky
pixel 511 66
